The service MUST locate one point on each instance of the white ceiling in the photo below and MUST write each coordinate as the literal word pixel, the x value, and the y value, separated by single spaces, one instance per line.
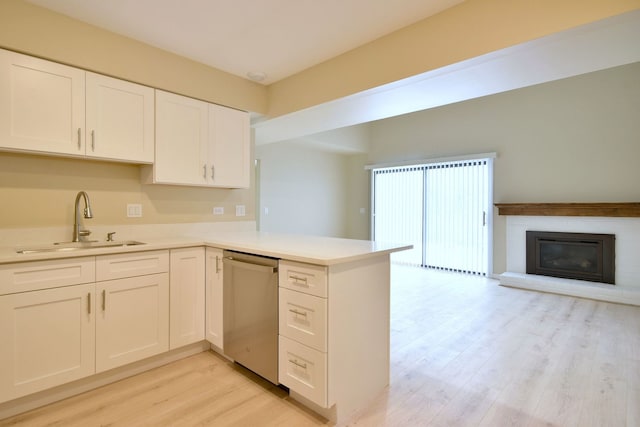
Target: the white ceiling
pixel 275 37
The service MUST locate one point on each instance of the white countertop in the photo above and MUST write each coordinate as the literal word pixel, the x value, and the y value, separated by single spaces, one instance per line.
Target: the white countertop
pixel 309 249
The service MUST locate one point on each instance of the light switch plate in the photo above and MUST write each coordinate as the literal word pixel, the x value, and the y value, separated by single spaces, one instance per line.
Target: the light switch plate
pixel 240 210
pixel 218 210
pixel 134 210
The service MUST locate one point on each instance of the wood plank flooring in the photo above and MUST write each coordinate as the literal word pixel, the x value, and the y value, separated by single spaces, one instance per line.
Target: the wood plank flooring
pixel 464 352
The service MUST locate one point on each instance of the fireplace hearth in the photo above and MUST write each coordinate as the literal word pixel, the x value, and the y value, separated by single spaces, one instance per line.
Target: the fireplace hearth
pixel 581 256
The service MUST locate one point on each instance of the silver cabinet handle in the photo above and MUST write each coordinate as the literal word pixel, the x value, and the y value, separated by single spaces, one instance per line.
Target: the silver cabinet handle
pixel 93 140
pixel 298 364
pixel 79 138
pixel 89 303
pixel 217 264
pixel 298 279
pixel 204 171
pixel 298 313
pixel 213 173
pixel 104 300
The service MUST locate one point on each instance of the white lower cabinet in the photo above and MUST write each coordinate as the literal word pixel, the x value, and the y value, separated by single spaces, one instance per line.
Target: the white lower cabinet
pixel 303 326
pixel 303 317
pixel 48 339
pixel 213 324
pixel 132 320
pixel 187 296
pixel 132 307
pixel 303 369
pixel 47 319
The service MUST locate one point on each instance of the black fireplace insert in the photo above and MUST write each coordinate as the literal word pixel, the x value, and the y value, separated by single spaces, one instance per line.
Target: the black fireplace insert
pixel 581 256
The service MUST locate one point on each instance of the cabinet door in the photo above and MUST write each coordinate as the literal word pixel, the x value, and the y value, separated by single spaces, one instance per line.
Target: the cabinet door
pixel 181 140
pixel 120 119
pixel 47 339
pixel 132 319
pixel 214 297
pixel 187 297
pixel 229 147
pixel 41 105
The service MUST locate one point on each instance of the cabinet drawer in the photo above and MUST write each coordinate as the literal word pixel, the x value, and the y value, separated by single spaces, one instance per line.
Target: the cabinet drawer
pixel 308 278
pixel 303 318
pixel 118 266
pixel 31 276
pixel 303 370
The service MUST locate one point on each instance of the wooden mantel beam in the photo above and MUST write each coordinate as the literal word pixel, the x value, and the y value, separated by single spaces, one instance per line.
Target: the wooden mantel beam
pixel 570 209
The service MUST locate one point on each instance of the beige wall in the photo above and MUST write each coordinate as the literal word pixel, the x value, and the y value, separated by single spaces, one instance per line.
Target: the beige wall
pixel 39 192
pixel 573 140
pixel 305 190
pixel 470 29
pixel 358 187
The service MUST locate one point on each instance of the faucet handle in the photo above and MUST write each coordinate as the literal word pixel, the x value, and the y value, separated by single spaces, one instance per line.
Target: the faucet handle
pixel 110 236
pixel 84 232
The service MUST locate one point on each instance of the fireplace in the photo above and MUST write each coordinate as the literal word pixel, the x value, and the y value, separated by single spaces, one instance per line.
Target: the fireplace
pixel 581 256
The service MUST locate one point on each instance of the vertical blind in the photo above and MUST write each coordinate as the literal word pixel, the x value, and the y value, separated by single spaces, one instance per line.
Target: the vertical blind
pixel 440 208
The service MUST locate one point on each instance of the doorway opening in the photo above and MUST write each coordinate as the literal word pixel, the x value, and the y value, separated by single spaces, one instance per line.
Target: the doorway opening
pixel 442 208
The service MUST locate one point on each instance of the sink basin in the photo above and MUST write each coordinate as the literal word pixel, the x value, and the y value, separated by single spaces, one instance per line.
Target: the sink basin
pixel 75 246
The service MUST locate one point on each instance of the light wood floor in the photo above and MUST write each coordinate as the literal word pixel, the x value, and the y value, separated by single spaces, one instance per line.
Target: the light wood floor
pixel 465 352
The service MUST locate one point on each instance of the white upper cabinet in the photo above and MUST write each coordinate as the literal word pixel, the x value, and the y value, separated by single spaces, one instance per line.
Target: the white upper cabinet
pixel 229 144
pixel 200 144
pixel 181 140
pixel 41 105
pixel 52 108
pixel 119 120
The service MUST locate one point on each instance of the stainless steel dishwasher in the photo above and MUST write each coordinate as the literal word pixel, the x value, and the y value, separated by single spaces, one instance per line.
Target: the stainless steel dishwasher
pixel 250 312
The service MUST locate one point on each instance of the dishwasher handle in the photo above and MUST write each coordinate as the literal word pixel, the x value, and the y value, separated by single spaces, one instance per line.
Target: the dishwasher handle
pixel 249 265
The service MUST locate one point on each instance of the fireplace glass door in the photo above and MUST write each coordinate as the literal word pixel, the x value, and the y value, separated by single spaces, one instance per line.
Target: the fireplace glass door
pixel 579 256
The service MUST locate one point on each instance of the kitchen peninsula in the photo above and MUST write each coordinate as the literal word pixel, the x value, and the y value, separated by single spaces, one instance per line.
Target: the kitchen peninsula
pixel 333 351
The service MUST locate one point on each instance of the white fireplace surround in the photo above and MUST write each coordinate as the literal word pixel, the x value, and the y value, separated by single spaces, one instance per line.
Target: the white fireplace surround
pixel 627 251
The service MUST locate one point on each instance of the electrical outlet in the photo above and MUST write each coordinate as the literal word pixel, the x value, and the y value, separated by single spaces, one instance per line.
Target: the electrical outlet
pixel 218 210
pixel 240 210
pixel 134 210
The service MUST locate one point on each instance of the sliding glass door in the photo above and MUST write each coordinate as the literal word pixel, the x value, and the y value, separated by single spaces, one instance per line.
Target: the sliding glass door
pixel 442 209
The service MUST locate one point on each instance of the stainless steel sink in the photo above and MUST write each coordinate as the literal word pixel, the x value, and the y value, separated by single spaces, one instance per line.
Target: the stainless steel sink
pixel 76 246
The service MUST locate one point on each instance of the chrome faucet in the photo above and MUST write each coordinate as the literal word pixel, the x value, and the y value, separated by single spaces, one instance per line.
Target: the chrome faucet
pixel 77 233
